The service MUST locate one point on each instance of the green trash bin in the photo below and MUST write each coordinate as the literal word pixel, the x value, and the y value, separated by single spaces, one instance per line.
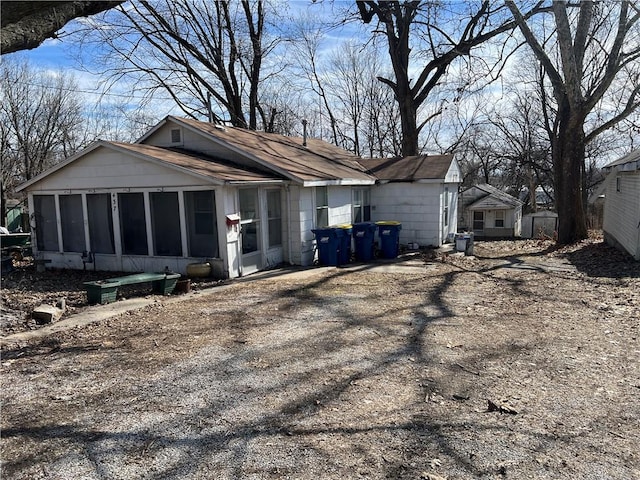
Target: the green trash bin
pixel 389 234
pixel 328 242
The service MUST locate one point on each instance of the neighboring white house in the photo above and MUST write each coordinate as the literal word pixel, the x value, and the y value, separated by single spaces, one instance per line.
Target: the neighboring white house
pixel 191 191
pixel 621 222
pixel 490 212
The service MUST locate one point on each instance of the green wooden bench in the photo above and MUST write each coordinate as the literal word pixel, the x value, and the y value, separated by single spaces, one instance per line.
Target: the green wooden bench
pixel 105 291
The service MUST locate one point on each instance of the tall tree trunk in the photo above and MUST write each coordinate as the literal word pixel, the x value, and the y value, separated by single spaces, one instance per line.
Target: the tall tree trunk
pixel 568 157
pixel 408 124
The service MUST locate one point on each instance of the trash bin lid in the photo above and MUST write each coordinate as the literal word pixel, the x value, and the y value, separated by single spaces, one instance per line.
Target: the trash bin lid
pixel 388 222
pixel 345 226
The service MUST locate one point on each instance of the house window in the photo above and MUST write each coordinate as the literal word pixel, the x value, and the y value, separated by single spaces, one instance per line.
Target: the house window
pixel 165 224
pixel 361 205
pixel 100 223
pixel 617 184
pixel 46 222
pixel 322 207
pixel 446 207
pixel 176 136
pixel 499 219
pixel 201 223
pixel 72 223
pixel 274 214
pixel 478 220
pixel 133 225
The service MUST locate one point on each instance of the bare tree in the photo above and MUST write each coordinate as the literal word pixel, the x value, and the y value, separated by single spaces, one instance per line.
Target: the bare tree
pixel 38 115
pixel 442 34
pixel 27 24
pixel 593 46
pixel 200 53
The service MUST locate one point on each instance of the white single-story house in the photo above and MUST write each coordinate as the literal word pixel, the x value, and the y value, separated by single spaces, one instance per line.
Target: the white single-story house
pixel 490 212
pixel 621 221
pixel 191 191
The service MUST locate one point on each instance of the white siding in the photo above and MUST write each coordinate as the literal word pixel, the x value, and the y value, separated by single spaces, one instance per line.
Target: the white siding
pixel 621 222
pixel 105 168
pixel 416 205
pixel 339 205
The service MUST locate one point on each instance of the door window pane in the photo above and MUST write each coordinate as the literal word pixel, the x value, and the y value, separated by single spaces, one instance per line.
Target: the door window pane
pixel 72 223
pixel 133 226
pixel 202 231
pixel 249 218
pixel 165 221
pixel 250 237
pixel 248 204
pixel 274 208
pixel 100 223
pixel 46 222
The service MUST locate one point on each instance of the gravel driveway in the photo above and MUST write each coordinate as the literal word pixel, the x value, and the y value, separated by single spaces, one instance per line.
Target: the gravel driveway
pixel 519 363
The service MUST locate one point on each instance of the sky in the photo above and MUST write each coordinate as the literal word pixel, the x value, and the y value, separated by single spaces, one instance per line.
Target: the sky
pixel 65 53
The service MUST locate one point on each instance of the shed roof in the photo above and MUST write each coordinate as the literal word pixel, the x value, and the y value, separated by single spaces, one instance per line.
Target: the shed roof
pixel 200 164
pixel 494 198
pixel 630 162
pixel 419 167
pixel 317 161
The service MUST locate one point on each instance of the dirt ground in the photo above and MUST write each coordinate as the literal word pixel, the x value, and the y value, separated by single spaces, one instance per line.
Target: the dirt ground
pixel 522 362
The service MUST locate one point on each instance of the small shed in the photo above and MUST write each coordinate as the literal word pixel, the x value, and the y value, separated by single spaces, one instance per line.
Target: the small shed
pixel 621 222
pixel 542 224
pixel 490 212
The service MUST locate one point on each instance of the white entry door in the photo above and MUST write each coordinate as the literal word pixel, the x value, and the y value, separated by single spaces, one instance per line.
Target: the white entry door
pixel 250 238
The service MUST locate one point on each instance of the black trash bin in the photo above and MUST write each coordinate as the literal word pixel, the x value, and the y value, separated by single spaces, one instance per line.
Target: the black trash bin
pixel 363 236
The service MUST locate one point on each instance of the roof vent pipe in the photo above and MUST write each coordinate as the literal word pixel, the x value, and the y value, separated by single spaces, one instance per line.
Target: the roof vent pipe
pixel 304 132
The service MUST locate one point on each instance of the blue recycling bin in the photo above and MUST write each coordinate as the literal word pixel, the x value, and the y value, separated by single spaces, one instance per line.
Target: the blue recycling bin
pixel 389 233
pixel 344 251
pixel 328 241
pixel 363 235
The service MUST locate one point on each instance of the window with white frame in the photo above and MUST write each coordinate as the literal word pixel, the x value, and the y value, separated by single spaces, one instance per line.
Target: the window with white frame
pixel 133 225
pixel 72 223
pixel 445 211
pixel 46 222
pixel 100 223
pixel 322 207
pixel 274 214
pixel 361 205
pixel 202 231
pixel 499 219
pixel 165 224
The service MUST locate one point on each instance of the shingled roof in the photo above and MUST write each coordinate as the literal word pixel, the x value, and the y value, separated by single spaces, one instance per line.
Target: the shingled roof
pixel 409 169
pixel 200 164
pixel 317 161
